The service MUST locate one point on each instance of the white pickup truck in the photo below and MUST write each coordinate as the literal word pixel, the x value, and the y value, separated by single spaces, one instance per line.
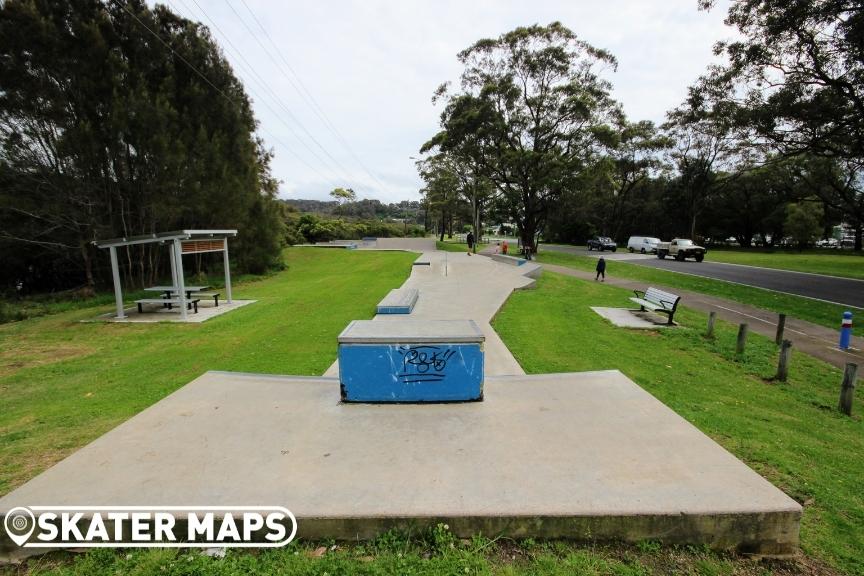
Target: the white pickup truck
pixel 681 248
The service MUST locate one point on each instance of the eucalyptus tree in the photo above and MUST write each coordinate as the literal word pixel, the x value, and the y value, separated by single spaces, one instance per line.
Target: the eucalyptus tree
pixel 441 192
pixel 532 109
pixel 796 75
pixel 633 158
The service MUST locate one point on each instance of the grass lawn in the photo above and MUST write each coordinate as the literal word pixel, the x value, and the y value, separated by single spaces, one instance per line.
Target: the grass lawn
pixel 790 433
pixel 67 383
pixel 843 263
pixel 807 309
pixel 64 383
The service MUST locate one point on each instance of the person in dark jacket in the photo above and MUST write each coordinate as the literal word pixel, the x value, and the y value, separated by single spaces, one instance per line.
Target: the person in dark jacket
pixel 470 240
pixel 601 270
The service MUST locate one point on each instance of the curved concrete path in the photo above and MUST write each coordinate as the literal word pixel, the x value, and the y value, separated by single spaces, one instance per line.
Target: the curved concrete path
pixel 456 286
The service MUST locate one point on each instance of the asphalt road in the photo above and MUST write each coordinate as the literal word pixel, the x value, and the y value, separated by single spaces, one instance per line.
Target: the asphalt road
pixel 843 291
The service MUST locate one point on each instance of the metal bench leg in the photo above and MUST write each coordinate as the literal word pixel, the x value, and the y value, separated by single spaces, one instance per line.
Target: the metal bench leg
pixel 140 310
pixel 216 300
pixel 196 307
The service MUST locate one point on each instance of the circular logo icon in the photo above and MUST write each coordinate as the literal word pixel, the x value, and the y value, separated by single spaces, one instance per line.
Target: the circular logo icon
pixel 19 523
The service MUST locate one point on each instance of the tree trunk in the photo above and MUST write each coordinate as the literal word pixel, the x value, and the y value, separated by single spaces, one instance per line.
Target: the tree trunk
pixel 858 235
pixel 476 223
pixel 88 268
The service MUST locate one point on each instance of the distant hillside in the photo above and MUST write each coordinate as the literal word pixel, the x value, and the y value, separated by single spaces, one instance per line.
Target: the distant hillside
pixel 362 209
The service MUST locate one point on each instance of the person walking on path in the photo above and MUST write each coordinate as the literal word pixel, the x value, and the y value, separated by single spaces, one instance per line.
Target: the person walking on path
pixel 470 240
pixel 601 270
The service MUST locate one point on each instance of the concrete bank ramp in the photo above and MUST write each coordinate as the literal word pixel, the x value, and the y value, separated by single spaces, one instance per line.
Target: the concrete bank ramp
pixel 584 456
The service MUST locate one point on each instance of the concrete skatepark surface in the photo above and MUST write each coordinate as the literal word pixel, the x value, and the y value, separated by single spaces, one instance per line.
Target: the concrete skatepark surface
pixel 584 456
pixel 560 455
pixel 456 286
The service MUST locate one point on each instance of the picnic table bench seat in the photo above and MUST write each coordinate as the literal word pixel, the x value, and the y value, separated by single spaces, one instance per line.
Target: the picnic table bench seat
pixel 210 294
pixel 658 301
pixel 169 302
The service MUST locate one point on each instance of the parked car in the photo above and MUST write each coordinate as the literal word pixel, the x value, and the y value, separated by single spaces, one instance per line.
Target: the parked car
pixel 643 244
pixel 602 243
pixel 680 248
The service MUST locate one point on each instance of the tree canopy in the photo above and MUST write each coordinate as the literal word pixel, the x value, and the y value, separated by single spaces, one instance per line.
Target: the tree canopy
pixel 117 120
pixel 532 109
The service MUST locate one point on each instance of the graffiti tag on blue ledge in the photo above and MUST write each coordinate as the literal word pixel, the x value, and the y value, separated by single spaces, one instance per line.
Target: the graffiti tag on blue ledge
pixel 424 363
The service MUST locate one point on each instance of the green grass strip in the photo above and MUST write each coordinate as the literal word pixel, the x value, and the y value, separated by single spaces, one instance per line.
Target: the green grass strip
pixel 816 311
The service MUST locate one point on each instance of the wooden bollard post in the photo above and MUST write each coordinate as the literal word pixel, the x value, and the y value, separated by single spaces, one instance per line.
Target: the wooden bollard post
pixel 781 326
pixel 783 363
pixel 709 333
pixel 847 389
pixel 742 339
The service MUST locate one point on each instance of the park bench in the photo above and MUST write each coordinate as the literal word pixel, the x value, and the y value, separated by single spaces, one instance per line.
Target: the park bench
pixel 398 301
pixel 214 295
pixel 169 302
pixel 657 300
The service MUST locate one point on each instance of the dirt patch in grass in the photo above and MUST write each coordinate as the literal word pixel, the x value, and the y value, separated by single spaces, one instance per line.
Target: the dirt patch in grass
pixel 26 354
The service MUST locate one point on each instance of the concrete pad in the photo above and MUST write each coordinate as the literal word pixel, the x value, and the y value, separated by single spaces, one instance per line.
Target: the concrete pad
pixel 626 318
pixel 583 456
pixel 206 310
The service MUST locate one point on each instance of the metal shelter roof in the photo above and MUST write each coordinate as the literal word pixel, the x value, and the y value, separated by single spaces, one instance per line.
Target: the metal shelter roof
pixel 165 237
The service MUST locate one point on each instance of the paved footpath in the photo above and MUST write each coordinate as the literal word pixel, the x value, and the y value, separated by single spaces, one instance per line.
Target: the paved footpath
pixel 813 339
pixel 456 286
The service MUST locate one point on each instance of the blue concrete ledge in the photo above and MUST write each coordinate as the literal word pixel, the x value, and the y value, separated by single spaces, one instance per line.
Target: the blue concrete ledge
pixel 411 361
pixel 512 260
pixel 398 301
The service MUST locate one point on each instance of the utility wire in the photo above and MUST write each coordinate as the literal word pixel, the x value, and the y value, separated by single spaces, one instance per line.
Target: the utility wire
pixel 316 109
pixel 301 89
pixel 216 88
pixel 267 88
pixel 302 126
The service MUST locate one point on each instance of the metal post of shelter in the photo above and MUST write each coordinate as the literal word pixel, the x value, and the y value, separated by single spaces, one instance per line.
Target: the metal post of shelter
pixel 227 270
pixel 118 289
pixel 173 267
pixel 181 284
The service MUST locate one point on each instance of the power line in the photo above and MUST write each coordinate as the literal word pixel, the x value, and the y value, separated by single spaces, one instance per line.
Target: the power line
pixel 207 80
pixel 301 89
pixel 299 123
pixel 266 87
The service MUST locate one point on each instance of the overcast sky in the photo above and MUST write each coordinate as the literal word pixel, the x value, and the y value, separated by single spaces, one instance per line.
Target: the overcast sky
pixel 343 92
